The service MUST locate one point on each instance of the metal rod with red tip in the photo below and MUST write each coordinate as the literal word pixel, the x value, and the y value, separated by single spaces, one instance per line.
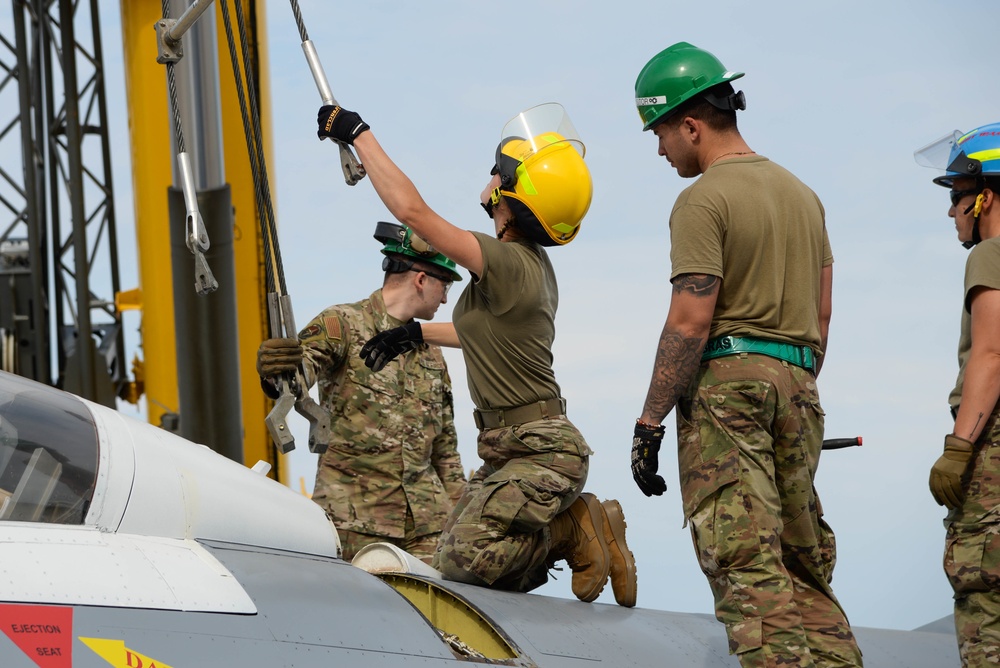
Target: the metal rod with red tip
pixel 838 443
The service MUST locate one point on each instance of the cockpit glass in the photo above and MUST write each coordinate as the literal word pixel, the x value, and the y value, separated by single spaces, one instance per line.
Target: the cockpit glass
pixel 48 454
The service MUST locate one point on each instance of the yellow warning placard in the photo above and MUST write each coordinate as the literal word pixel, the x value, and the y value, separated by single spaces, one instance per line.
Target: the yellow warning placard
pixel 118 655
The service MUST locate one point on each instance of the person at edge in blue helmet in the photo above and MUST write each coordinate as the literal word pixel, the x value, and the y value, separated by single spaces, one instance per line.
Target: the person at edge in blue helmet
pixel 744 339
pixel 524 508
pixel 966 477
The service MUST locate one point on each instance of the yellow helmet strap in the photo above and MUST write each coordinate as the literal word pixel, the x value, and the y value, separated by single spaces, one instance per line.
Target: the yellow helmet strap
pixel 976 208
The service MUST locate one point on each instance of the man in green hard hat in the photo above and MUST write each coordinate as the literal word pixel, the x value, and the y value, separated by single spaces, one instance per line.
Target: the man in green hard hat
pixel 391 471
pixel 738 356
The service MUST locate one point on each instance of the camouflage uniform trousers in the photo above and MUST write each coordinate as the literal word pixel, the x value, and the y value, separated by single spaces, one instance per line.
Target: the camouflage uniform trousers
pixel 422 547
pixel 749 438
pixel 498 533
pixel 972 554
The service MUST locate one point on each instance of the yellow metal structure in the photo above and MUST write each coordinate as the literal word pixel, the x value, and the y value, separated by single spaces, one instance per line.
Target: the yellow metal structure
pixel 460 624
pixel 151 129
pixel 149 126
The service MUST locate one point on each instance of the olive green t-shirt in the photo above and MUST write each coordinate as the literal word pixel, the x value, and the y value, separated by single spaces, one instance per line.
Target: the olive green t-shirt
pixel 752 223
pixel 981 269
pixel 505 321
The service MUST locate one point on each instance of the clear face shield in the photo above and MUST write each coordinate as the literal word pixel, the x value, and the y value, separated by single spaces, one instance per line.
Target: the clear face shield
pixel 528 133
pixel 940 153
pixel 947 155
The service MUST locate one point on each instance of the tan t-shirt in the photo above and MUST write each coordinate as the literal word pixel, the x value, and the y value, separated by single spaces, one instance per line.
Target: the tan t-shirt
pixel 981 269
pixel 505 321
pixel 755 225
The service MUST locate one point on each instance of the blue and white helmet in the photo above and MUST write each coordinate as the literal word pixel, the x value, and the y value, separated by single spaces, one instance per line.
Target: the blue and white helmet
pixel 974 154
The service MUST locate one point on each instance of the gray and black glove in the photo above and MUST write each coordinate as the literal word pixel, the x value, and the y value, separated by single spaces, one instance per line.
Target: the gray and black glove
pixel 278 356
pixel 340 124
pixel 645 446
pixel 388 345
pixel 274 358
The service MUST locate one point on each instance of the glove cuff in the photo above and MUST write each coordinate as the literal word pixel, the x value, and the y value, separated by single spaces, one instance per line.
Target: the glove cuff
pixel 954 443
pixel 647 431
pixel 269 389
pixel 414 331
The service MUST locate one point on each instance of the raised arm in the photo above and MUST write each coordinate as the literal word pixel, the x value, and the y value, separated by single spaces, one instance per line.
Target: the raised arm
pixel 397 191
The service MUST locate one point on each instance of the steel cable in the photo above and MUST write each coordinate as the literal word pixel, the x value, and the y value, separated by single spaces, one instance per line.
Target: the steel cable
pixel 172 91
pixel 298 21
pixel 259 145
pixel 251 131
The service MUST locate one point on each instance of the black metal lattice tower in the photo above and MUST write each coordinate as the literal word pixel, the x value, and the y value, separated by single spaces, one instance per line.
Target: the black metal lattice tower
pixel 58 245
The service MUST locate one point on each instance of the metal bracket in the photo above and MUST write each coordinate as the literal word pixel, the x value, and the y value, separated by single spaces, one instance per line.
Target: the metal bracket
pixel 354 171
pixel 168 50
pixel 319 423
pixel 204 279
pixel 277 424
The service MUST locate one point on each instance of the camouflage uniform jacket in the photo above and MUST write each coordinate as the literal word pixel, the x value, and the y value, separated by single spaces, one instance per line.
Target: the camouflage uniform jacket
pixel 393 440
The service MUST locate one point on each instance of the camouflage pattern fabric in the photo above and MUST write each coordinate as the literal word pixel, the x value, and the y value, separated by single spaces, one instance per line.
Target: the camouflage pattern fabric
pixel 749 435
pixel 421 547
pixel 972 553
pixel 393 448
pixel 498 534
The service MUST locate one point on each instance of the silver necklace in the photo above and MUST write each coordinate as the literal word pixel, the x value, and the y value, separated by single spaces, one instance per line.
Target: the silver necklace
pixel 724 155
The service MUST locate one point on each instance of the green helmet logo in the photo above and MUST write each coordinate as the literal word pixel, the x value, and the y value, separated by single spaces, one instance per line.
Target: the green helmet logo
pixel 401 240
pixel 674 76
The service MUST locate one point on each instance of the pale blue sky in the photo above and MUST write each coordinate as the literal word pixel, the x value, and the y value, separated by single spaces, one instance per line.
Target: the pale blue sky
pixel 841 94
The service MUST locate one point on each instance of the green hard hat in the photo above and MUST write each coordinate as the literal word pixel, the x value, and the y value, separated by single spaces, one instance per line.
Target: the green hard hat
pixel 674 76
pixel 401 240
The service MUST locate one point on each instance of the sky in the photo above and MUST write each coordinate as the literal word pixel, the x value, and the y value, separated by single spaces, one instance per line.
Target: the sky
pixel 841 94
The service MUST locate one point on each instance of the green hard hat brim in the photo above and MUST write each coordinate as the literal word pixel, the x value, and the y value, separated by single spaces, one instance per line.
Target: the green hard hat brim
pixel 438 260
pixel 668 106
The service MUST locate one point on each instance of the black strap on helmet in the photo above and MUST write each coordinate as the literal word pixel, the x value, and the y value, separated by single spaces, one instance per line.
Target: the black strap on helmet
pixel 963 165
pixel 727 102
pixel 505 165
pixel 386 232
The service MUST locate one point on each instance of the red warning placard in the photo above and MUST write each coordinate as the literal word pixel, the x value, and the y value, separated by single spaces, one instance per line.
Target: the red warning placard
pixel 43 632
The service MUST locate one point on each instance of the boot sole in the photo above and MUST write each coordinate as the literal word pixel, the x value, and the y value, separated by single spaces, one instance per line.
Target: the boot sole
pixel 624 558
pixel 597 515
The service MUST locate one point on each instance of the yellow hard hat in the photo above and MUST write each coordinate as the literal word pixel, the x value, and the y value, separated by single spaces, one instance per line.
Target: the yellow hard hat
pixel 544 178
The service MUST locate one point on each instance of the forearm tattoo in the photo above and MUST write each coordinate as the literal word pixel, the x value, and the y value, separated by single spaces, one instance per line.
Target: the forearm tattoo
pixel 976 426
pixel 677 356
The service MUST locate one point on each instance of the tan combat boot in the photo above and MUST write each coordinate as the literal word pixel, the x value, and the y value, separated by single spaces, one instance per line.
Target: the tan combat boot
pixel 578 536
pixel 623 579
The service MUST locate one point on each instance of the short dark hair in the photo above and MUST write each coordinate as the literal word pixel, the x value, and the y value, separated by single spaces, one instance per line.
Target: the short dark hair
pixel 701 109
pixel 992 181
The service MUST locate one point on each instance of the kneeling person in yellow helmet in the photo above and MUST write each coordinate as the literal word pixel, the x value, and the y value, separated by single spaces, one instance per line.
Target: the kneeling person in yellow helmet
pixel 525 507
pixel 391 471
pixel 738 356
pixel 966 477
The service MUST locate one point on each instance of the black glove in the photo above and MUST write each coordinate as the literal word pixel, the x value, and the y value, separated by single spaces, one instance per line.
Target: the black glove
pixel 340 124
pixel 645 446
pixel 386 346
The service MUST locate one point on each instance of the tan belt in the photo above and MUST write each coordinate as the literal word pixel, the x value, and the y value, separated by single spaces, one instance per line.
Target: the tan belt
pixel 511 417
